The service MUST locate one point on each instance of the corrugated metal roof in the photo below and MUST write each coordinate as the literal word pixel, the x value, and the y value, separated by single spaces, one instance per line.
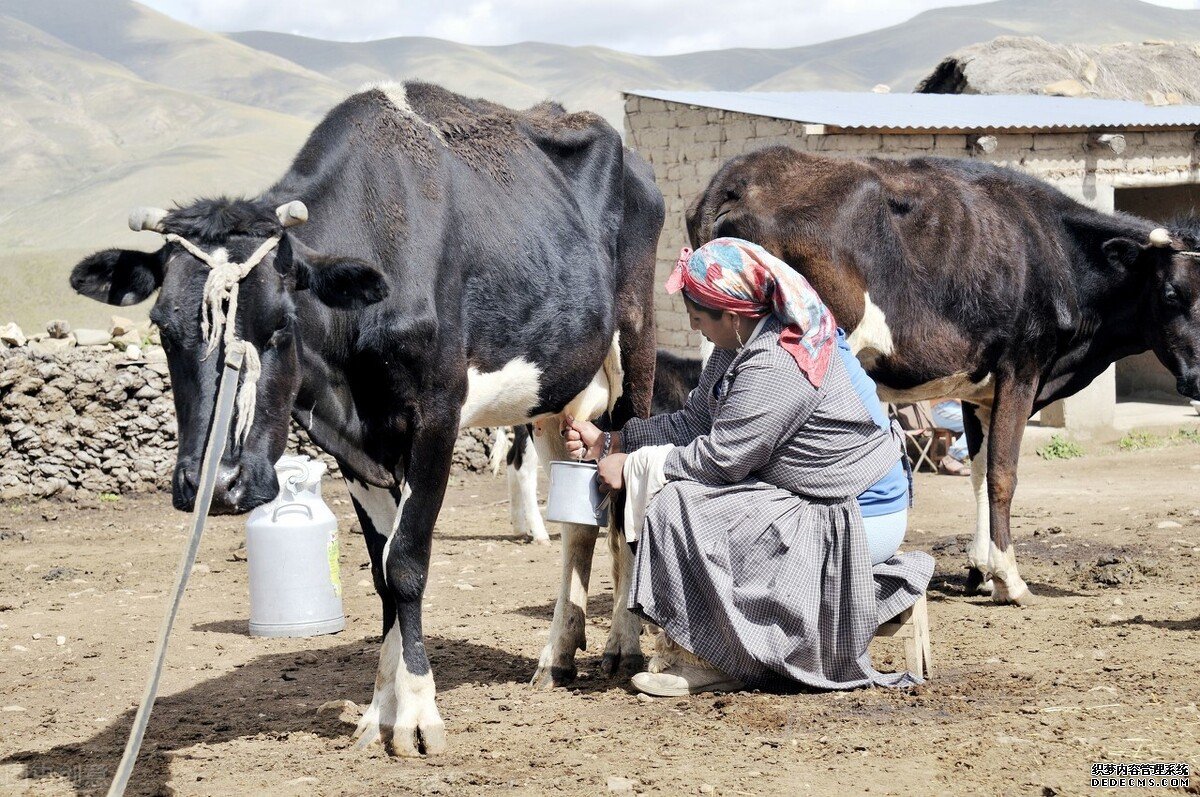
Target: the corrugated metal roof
pixel 850 110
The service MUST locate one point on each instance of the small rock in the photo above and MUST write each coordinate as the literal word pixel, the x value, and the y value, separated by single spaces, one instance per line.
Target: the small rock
pixel 1169 524
pixel 51 346
pixel 337 706
pixel 133 352
pixel 13 709
pixel 201 568
pixel 119 325
pixel 37 636
pixel 92 337
pixel 130 338
pixel 306 658
pixel 618 785
pixel 60 640
pixel 58 329
pixel 644 698
pixel 20 648
pixel 464 587
pixel 11 335
pixel 1118 602
pixel 707 788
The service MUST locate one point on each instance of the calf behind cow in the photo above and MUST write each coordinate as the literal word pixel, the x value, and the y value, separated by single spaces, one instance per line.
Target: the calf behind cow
pixel 435 287
pixel 961 279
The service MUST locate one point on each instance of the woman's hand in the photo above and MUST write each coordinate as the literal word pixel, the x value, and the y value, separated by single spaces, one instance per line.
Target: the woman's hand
pixel 611 472
pixel 584 439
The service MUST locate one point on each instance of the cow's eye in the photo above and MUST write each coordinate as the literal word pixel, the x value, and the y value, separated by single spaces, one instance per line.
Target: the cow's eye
pixel 1170 296
pixel 282 334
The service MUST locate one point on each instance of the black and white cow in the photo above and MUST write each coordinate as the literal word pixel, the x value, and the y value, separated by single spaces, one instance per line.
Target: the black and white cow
pixel 674 378
pixel 464 265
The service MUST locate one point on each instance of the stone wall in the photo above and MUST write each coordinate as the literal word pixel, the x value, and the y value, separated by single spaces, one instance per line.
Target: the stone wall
pixel 79 422
pixel 686 144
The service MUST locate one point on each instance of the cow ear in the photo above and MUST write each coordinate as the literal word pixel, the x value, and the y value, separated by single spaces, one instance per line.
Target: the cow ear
pixel 1122 252
pixel 344 283
pixel 118 276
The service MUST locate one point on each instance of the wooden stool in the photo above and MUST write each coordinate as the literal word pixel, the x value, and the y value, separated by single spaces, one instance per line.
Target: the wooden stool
pixel 912 625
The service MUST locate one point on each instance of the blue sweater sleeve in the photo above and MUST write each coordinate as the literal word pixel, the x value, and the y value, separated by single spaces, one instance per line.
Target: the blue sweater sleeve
pixel 889 494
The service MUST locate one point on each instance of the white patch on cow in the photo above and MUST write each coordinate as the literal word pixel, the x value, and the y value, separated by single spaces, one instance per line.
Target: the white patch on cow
pixel 872 338
pixel 606 386
pixel 501 398
pixel 1007 584
pixel 402 704
pixel 523 498
pixel 397 95
pixel 977 555
pixel 382 509
pixel 957 386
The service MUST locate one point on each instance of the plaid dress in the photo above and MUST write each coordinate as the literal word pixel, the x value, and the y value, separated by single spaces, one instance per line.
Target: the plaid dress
pixel 753 556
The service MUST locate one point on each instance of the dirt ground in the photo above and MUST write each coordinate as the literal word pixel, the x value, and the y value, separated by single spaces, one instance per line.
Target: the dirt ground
pixel 1022 701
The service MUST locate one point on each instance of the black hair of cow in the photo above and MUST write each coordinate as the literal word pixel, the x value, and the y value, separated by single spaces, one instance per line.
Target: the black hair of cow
pixel 1186 225
pixel 214 220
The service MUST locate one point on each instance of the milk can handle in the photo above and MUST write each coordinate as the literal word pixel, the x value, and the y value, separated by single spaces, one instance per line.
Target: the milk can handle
pixel 305 507
pixel 293 482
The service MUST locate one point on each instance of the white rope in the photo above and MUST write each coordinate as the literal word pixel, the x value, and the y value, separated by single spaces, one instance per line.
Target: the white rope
pixel 218 319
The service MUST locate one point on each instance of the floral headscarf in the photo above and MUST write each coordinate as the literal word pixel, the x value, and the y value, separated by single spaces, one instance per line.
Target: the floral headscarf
pixel 743 278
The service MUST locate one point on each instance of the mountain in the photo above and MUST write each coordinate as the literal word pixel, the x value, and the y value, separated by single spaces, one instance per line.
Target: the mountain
pixel 106 104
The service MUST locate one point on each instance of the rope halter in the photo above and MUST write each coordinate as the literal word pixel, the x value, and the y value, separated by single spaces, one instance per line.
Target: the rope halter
pixel 217 322
pixel 218 309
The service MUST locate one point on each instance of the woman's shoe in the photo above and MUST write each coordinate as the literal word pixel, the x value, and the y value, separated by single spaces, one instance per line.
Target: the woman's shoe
pixel 683 679
pixel 952 467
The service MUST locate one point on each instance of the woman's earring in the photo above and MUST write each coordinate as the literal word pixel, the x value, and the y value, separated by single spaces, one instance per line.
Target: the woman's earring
pixel 738 333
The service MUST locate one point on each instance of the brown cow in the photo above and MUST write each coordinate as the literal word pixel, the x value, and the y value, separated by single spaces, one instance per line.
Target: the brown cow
pixel 961 279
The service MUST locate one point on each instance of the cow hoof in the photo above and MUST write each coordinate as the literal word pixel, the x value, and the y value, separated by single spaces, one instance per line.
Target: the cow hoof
pixel 427 738
pixel 553 677
pixel 1024 598
pixel 543 540
pixel 424 739
pixel 624 666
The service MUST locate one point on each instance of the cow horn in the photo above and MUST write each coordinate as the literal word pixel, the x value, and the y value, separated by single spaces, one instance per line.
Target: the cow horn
pixel 1160 237
pixel 146 219
pixel 292 213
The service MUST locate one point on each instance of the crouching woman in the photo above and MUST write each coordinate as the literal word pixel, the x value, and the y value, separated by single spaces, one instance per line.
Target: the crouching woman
pixel 751 551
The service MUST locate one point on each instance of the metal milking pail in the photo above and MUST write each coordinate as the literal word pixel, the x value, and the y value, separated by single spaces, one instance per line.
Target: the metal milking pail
pixel 575 495
pixel 292 554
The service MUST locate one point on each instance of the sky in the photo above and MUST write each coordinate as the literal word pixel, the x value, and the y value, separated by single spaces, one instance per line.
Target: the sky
pixel 647 27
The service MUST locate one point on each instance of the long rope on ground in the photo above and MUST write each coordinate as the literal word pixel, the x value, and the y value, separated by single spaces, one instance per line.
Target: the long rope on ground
pixel 212 460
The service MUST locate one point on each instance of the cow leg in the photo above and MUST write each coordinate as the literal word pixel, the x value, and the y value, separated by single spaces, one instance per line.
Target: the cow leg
pixel 623 651
pixel 976 420
pixel 1013 405
pixel 522 487
pixel 556 665
pixel 403 714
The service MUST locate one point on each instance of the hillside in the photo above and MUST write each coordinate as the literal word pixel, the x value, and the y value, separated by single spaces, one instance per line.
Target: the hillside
pixel 106 104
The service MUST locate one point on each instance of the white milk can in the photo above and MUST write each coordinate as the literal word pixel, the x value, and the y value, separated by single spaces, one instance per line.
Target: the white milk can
pixel 292 552
pixel 575 495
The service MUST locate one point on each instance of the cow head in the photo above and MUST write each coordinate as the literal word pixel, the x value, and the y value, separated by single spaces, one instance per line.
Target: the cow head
pixel 1171 297
pixel 747 198
pixel 230 230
